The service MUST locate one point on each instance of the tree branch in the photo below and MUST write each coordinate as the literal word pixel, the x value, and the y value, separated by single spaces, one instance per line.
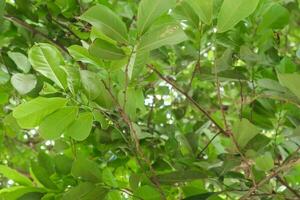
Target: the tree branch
pixel 283 182
pixel 191 100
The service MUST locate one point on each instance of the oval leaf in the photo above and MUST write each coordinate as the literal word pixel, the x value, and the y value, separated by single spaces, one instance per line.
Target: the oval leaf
pixel 105 50
pixel 80 129
pixel 233 11
pixel 30 114
pixel 55 124
pixel 23 83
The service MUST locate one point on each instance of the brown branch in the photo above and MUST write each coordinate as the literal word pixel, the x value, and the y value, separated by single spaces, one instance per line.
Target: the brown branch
pixel 286 165
pixel 283 182
pixel 189 98
pixel 135 138
pixel 35 31
pixel 66 28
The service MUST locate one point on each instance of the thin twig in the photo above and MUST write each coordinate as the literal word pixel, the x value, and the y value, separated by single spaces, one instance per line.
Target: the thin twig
pixel 207 145
pixel 202 110
pixel 35 31
pixel 283 182
pixel 286 165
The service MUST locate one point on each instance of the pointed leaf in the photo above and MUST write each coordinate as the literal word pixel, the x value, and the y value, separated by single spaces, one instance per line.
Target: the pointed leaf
pixel 107 21
pixel 15 175
pixel 204 9
pixel 46 59
pixel 233 11
pixel 80 53
pixel 291 81
pixel 20 60
pixel 150 10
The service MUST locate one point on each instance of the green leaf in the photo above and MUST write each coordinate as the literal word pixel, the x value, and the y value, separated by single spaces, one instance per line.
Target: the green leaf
pixel 86 169
pixel 20 60
pixel 150 10
pixel 47 60
pixel 41 176
pixel 80 129
pixel 53 126
pixel 99 117
pixel 105 50
pixel 15 175
pixel 166 32
pixel 17 192
pixel 80 53
pixel 2 9
pixel 4 77
pixel 63 164
pixel 277 17
pixel 86 191
pixel 291 81
pixel 31 113
pixel 203 196
pixel 244 131
pixel 183 176
pixel 233 11
pixel 107 22
pixel 204 9
pixel 147 192
pixel 23 83
pixel 264 162
pixel 91 82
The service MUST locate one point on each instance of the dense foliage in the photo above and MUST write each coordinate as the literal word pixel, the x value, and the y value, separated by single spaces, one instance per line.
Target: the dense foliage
pixel 150 99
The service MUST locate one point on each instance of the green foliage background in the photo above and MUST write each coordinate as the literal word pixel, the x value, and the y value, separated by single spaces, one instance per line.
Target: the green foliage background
pixel 150 99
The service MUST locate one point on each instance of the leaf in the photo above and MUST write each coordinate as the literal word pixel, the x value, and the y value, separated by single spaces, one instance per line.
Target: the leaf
pixel 204 9
pixel 233 11
pixel 182 176
pixel 99 117
pixel 277 17
pixel 90 82
pixel 20 60
pixel 105 50
pixel 166 32
pixel 264 162
pixel 41 176
pixel 47 60
pixel 291 81
pixel 17 192
pixel 86 169
pixel 15 175
pixel 147 192
pixel 23 83
pixel 107 22
pixel 63 164
pixel 31 113
pixel 80 53
pixel 149 11
pixel 53 126
pixel 4 77
pixel 244 131
pixel 203 196
pixel 80 129
pixel 2 9
pixel 86 191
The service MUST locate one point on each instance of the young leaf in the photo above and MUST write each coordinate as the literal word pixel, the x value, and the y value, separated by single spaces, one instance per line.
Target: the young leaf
pixel 30 114
pixel 150 10
pixel 166 32
pixel 80 129
pixel 53 126
pixel 107 21
pixel 47 60
pixel 291 81
pixel 244 131
pixel 23 83
pixel 20 60
pixel 233 11
pixel 15 175
pixel 105 50
pixel 204 9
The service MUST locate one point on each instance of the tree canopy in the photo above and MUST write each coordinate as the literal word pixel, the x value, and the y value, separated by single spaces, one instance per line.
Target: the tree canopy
pixel 149 99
